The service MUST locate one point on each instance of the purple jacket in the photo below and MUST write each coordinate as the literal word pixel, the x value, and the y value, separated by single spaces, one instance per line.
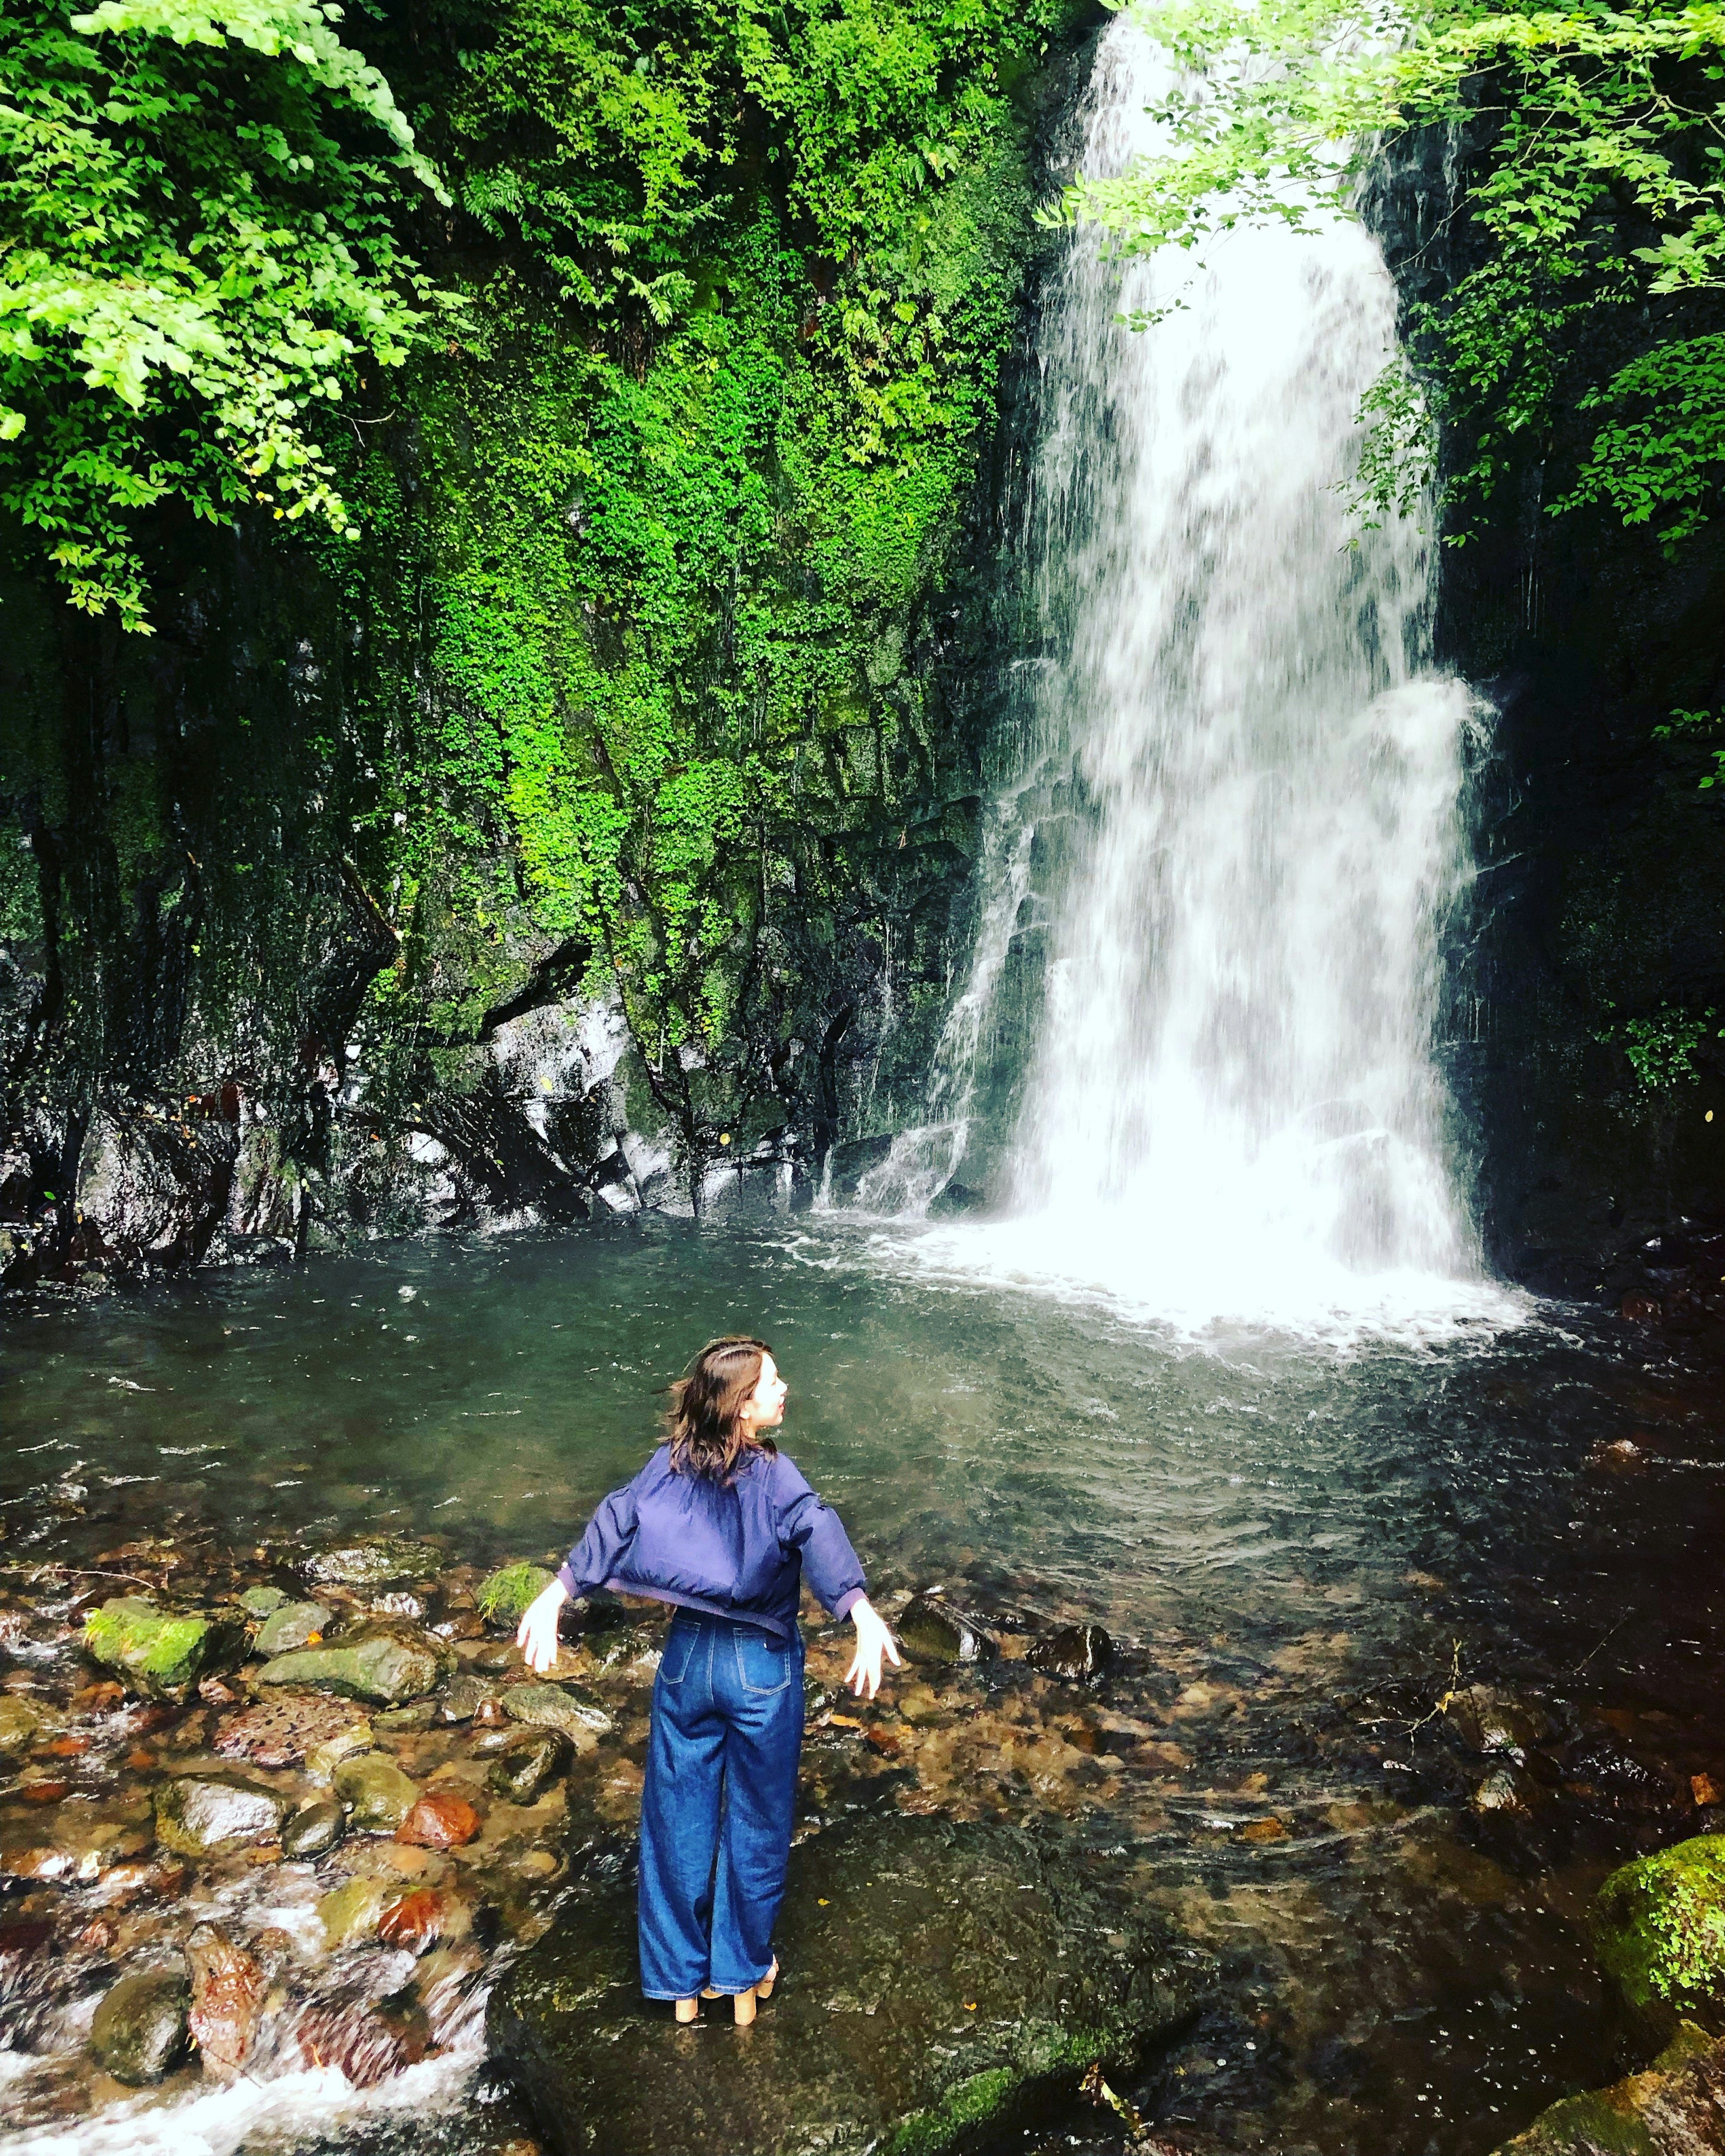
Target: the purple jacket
pixel 735 1552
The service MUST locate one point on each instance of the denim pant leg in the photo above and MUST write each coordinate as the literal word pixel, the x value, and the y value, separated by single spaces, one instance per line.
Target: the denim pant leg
pixel 759 1686
pixel 679 1815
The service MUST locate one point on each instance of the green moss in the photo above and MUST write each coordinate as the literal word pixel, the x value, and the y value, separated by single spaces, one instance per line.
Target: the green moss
pixel 1659 1927
pixel 506 1594
pixel 967 2109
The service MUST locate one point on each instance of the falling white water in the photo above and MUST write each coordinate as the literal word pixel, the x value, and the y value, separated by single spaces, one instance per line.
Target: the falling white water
pixel 1232 1107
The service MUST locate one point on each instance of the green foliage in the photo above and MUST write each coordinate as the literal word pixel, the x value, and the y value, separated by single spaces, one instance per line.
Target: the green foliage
pixel 504 1597
pixel 1597 183
pixel 202 251
pixel 1662 1047
pixel 1688 728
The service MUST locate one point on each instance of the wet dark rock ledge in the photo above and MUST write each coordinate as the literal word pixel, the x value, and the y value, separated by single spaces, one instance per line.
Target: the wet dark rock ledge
pixel 942 1983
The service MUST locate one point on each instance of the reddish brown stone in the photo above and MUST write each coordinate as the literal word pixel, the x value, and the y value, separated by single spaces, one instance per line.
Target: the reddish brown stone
pixel 99 1698
pixel 227 1987
pixel 44 1793
pixel 62 1748
pixel 414 1921
pixel 367 2043
pixel 439 1820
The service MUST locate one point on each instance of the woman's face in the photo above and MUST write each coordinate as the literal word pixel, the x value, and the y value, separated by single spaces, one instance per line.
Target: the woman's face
pixel 765 1405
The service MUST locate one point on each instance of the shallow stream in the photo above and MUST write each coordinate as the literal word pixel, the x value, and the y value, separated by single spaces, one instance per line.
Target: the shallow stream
pixel 1299 1546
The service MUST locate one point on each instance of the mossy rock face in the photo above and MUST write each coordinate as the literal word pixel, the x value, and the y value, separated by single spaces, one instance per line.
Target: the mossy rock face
pixel 1659 1930
pixel 506 1595
pixel 943 1983
pixel 1676 2108
pixel 157 1652
pixel 387 1664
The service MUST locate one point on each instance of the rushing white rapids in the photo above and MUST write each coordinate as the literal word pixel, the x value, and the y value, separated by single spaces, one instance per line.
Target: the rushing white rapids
pixel 1245 783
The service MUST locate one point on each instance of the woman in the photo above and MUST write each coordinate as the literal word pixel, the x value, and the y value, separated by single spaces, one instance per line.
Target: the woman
pixel 719 1523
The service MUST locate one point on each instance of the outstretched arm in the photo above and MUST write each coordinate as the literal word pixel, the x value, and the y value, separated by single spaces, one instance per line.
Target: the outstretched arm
pixel 589 1564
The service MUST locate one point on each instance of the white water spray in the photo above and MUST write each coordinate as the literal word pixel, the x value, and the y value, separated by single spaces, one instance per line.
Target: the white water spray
pixel 1232 1107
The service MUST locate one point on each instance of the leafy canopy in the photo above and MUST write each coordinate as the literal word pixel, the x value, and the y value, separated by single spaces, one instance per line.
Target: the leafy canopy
pixel 1591 180
pixel 199 246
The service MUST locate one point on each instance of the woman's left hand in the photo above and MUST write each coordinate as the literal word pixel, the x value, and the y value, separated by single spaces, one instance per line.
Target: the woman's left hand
pixel 873 1641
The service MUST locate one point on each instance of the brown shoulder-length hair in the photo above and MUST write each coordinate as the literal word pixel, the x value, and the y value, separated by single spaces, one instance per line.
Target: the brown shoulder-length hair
pixel 705 1430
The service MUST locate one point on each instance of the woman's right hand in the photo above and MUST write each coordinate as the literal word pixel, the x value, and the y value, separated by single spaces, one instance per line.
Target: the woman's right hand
pixel 873 1641
pixel 536 1634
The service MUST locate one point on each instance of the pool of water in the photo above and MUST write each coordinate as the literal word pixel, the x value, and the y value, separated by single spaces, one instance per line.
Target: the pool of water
pixel 1300 1545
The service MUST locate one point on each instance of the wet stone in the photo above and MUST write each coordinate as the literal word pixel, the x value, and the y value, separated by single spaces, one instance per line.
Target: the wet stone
pixel 159 1653
pixel 260 1601
pixel 528 1765
pixel 415 1922
pixel 227 1990
pixel 140 2033
pixel 1658 1926
pixel 211 1815
pixel 440 1820
pixel 313 1827
pixel 464 1698
pixel 349 1913
pixel 322 1762
pixel 19 1723
pixel 387 1664
pixel 420 1715
pixel 1490 1721
pixel 1505 1790
pixel 375 1793
pixel 579 1717
pixel 942 1983
pixel 290 1626
pixel 379 1562
pixel 1076 1653
pixel 931 1630
pixel 369 2043
pixel 1673 2109
pixel 281 1731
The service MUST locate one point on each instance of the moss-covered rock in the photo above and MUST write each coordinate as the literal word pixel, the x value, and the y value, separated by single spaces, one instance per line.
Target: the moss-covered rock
pixel 289 1626
pixel 161 1653
pixel 575 1713
pixel 1676 2108
pixel 506 1594
pixel 377 1794
pixel 942 1983
pixel 387 1664
pixel 1659 1929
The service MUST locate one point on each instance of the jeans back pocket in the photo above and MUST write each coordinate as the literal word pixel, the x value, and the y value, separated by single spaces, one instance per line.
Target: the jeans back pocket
pixel 762 1664
pixel 679 1644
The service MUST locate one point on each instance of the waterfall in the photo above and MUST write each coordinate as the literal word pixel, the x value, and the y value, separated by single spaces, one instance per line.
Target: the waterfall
pixel 1235 829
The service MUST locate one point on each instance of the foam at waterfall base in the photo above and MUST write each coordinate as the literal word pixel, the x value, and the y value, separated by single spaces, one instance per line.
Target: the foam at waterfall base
pixel 1113 1258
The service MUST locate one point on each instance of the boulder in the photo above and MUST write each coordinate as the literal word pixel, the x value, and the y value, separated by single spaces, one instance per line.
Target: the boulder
pixel 227 1990
pixel 377 1561
pixel 943 1984
pixel 1658 1927
pixel 1676 2108
pixel 528 1764
pixel 576 1714
pixel 1076 1653
pixel 387 1664
pixel 140 2032
pixel 311 1828
pixel 213 1814
pixel 506 1594
pixel 932 1630
pixel 294 1625
pixel 375 1791
pixel 160 1654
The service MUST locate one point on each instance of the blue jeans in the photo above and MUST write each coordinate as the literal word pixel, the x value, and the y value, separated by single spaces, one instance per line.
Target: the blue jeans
pixel 716 1810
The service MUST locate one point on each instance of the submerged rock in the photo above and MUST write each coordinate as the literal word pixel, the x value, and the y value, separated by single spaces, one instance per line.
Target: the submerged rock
pixel 387 1664
pixel 1676 2108
pixel 942 1982
pixel 465 1697
pixel 259 1601
pixel 349 1913
pixel 1076 1653
pixel 228 1988
pixel 312 1827
pixel 1658 1927
pixel 213 1814
pixel 505 1596
pixel 282 1730
pixel 440 1820
pixel 1505 1789
pixel 578 1716
pixel 140 2033
pixel 528 1764
pixel 160 1654
pixel 368 2042
pixel 376 1563
pixel 1489 1720
pixel 294 1625
pixel 375 1791
pixel 932 1630
pixel 19 1723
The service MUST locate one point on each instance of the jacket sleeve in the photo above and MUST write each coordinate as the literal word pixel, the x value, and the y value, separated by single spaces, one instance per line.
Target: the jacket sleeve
pixel 602 1550
pixel 829 1564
